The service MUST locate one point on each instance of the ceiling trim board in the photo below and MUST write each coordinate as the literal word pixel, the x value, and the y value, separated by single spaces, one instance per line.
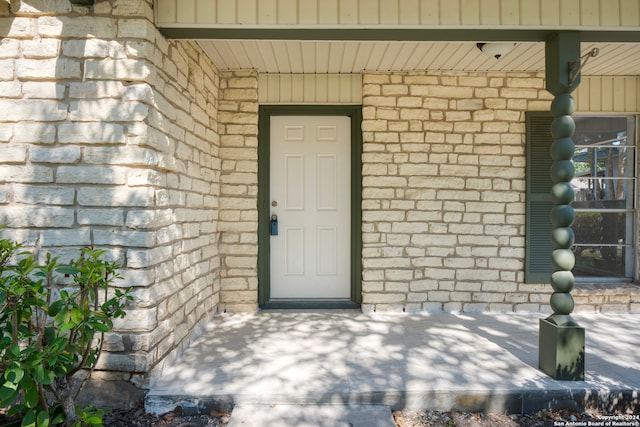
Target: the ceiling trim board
pixel 392 34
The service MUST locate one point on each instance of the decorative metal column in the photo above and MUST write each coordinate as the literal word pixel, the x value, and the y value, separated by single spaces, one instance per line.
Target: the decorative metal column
pixel 561 352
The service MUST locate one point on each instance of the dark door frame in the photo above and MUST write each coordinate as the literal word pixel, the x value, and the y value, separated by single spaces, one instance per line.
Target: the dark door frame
pixel 264 150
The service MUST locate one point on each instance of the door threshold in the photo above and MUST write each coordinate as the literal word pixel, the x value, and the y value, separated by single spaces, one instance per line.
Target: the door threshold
pixel 309 304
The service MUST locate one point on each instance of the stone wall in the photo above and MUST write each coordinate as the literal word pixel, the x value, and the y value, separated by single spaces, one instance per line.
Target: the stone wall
pixel 239 190
pixel 444 191
pixel 185 259
pixel 444 196
pixel 109 137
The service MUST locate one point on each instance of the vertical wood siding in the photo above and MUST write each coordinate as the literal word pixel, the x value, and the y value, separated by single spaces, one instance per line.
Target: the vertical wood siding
pixel 310 89
pixel 527 13
pixel 607 94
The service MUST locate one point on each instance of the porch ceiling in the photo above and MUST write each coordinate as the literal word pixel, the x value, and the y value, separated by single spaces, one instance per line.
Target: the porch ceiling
pixel 310 56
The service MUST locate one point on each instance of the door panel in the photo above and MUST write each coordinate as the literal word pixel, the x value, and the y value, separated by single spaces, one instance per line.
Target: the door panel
pixel 310 194
pixel 294 251
pixel 326 189
pixel 294 182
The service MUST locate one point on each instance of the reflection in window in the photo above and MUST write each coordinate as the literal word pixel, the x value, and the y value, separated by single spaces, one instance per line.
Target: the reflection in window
pixel 604 186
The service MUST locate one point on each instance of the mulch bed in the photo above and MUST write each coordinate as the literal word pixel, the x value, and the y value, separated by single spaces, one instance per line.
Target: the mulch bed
pixel 476 419
pixel 407 418
pixel 137 417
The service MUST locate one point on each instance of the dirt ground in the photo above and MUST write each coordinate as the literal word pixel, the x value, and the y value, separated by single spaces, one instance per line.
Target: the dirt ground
pixel 475 419
pixel 138 418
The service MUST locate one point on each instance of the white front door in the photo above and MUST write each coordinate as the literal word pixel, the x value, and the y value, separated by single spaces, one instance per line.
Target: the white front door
pixel 310 192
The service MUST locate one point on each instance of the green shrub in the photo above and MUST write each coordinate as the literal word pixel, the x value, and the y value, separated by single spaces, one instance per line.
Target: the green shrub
pixel 51 333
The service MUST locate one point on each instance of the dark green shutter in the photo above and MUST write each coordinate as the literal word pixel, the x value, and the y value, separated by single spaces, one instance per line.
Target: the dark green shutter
pixel 538 246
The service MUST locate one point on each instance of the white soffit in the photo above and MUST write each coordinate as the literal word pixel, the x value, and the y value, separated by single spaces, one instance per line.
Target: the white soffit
pixel 331 57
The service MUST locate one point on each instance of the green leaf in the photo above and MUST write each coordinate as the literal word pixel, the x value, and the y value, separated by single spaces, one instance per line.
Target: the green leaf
pixel 15 410
pixel 14 374
pixel 59 342
pixel 76 315
pixel 39 373
pixel 64 321
pixel 28 351
pixel 55 307
pixel 59 419
pixel 48 378
pixel 43 419
pixel 94 420
pixel 9 387
pixel 62 316
pixel 15 350
pixel 68 269
pixel 29 419
pixel 8 393
pixel 31 398
pixel 6 341
pixel 100 327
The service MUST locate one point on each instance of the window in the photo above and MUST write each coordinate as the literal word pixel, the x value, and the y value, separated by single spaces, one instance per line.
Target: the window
pixel 605 201
pixel 604 186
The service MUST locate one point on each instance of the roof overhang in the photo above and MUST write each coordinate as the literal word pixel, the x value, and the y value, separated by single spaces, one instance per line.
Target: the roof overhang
pixel 351 36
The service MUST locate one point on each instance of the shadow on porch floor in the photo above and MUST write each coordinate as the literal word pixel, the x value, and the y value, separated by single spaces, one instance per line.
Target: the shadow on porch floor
pixel 480 362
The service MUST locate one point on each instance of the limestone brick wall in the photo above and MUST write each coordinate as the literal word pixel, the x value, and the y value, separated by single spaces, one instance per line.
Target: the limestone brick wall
pixel 238 222
pixel 444 196
pixel 109 137
pixel 444 191
pixel 185 259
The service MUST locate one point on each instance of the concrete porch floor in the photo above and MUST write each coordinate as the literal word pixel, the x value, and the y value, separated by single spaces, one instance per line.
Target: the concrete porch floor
pixel 481 362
